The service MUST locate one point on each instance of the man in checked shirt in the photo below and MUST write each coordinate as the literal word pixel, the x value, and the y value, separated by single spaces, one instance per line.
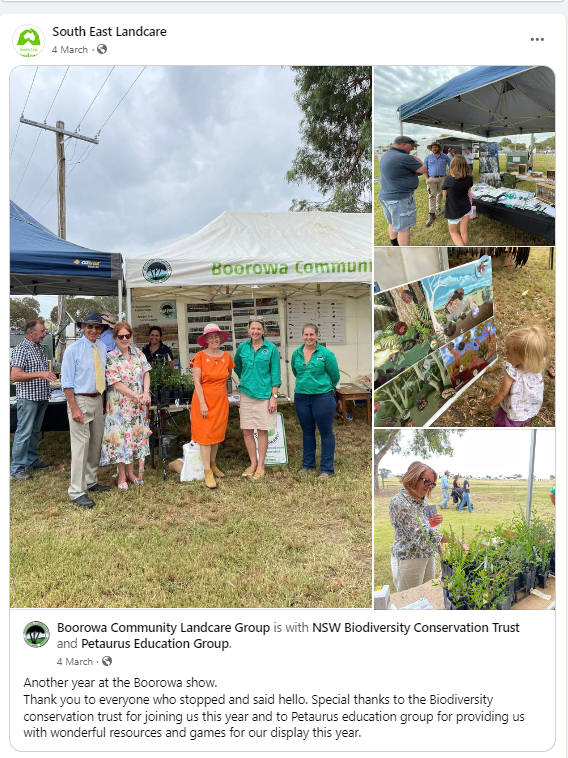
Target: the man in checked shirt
pixel 29 370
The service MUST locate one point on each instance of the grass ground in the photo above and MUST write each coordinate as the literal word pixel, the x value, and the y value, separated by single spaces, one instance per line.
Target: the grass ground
pixel 493 503
pixel 521 297
pixel 482 230
pixel 286 541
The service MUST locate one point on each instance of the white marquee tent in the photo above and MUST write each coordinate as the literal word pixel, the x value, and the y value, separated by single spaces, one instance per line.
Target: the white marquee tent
pixel 284 255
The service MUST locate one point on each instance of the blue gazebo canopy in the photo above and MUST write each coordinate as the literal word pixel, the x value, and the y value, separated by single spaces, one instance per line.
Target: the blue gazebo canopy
pixel 490 101
pixel 41 263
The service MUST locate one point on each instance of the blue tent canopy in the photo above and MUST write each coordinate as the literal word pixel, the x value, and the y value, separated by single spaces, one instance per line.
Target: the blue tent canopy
pixel 41 263
pixel 490 101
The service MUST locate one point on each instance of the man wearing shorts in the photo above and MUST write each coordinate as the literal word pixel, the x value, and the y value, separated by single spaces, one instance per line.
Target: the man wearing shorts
pixel 399 180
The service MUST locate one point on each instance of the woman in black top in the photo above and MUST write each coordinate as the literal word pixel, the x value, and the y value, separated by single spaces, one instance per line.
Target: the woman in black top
pixel 455 189
pixel 156 350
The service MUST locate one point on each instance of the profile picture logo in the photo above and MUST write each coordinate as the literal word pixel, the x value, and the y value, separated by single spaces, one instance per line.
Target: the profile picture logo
pixel 156 271
pixel 36 634
pixel 28 41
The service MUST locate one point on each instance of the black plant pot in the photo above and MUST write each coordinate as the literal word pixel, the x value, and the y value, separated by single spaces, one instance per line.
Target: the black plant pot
pixel 185 395
pixel 542 579
pixel 155 396
pixel 447 570
pixel 505 605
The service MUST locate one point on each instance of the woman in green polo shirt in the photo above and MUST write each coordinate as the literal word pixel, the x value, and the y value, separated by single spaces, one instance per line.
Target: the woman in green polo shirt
pixel 257 364
pixel 316 371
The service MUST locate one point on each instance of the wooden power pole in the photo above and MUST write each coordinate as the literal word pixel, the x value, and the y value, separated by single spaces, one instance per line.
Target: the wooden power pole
pixel 60 135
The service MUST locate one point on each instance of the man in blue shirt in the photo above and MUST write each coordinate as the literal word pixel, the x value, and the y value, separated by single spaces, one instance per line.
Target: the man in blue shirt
pixel 83 381
pixel 399 180
pixel 436 166
pixel 445 490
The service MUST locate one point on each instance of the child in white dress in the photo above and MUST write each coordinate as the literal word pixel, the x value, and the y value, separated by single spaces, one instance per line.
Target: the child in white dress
pixel 521 392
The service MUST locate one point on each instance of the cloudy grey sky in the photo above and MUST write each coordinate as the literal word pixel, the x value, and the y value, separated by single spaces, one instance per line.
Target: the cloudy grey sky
pixel 396 85
pixel 185 145
pixel 487 452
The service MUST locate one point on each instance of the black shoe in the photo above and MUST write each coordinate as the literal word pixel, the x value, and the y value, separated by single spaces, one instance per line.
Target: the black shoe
pixel 21 476
pixel 40 464
pixel 431 218
pixel 99 488
pixel 439 213
pixel 83 502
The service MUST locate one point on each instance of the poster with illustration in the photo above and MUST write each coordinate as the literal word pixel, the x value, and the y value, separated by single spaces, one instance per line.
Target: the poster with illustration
pixel 460 298
pixel 452 341
pixel 412 398
pixel 403 330
pixel 470 353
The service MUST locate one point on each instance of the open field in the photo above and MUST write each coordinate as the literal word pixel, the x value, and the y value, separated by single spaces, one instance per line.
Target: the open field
pixel 520 297
pixel 286 541
pixel 482 231
pixel 493 503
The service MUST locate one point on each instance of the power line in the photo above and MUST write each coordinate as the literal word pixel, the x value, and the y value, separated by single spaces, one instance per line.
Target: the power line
pixel 95 97
pixel 40 133
pixel 23 110
pixel 91 147
pixel 121 99
pixel 55 98
pixel 28 163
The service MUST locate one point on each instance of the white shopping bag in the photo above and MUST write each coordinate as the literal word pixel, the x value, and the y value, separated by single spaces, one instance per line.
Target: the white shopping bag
pixel 192 470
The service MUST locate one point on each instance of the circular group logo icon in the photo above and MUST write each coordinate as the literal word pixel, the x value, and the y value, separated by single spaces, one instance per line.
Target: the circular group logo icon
pixel 156 270
pixel 36 634
pixel 28 41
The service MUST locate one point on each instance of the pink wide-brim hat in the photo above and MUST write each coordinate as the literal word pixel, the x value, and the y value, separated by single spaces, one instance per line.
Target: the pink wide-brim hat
pixel 212 329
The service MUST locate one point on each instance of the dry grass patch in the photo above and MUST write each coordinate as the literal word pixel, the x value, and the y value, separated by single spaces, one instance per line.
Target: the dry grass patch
pixel 285 541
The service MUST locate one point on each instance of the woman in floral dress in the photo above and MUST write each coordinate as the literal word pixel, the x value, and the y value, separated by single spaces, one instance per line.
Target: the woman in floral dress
pixel 126 431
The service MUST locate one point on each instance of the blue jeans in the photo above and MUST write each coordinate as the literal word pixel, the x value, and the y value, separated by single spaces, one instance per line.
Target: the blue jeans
pixel 26 437
pixel 445 497
pixel 312 411
pixel 467 501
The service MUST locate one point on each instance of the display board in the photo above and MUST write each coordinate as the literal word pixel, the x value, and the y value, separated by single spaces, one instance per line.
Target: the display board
pixel 432 338
pixel 233 316
pixel 149 313
pixel 327 313
pixel 488 160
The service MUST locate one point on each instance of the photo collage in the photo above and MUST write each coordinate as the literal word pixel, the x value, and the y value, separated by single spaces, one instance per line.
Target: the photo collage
pixel 255 356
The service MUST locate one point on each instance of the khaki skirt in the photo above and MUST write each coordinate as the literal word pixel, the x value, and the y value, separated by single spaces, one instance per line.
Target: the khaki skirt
pixel 255 414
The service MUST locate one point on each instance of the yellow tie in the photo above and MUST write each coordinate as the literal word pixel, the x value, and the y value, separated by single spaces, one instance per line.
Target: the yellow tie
pixel 99 372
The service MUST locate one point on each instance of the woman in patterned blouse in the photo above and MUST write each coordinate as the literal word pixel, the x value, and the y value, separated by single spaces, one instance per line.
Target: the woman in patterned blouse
pixel 413 555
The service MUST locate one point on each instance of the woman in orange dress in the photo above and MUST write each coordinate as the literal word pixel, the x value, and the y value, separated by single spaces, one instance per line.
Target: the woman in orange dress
pixel 210 404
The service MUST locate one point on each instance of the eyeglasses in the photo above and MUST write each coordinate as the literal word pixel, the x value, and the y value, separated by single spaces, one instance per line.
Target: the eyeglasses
pixel 97 327
pixel 123 336
pixel 427 482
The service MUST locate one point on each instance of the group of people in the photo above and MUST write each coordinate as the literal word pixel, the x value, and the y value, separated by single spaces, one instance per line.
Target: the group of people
pixel 459 492
pixel 94 367
pixel 257 366
pixel 448 176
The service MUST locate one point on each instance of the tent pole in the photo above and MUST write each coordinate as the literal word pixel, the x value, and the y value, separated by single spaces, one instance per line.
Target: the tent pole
pixel 120 300
pixel 285 345
pixel 129 305
pixel 531 474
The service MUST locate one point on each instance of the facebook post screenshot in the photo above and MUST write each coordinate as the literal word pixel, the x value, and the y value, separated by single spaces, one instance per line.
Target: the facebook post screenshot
pixel 280 273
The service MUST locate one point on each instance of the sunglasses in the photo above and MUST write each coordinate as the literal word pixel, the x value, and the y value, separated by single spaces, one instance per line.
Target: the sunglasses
pixel 427 482
pixel 123 336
